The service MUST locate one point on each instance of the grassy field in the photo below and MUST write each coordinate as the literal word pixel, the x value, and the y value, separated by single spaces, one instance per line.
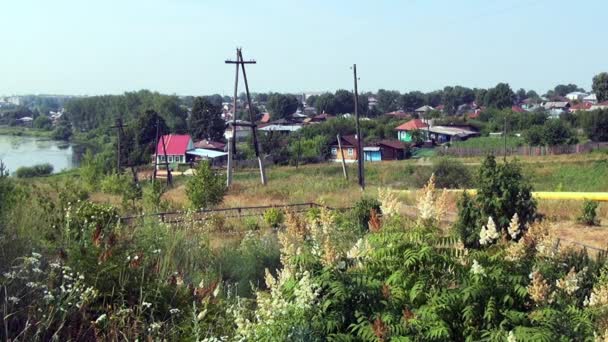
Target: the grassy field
pixel 25 131
pixel 489 142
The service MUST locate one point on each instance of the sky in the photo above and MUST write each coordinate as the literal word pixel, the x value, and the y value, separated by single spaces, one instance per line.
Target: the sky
pixel 92 47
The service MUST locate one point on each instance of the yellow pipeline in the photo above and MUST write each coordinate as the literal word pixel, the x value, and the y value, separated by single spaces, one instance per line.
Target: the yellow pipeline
pixel 551 195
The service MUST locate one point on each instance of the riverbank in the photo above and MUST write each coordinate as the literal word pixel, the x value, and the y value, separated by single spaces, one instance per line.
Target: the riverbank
pixel 25 132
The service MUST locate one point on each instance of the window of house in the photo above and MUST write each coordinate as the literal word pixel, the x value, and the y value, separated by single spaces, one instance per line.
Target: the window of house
pixel 170 159
pixel 351 151
pixel 334 151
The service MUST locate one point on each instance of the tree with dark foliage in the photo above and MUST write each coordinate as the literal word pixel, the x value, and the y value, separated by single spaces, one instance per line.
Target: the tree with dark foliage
pixel 206 120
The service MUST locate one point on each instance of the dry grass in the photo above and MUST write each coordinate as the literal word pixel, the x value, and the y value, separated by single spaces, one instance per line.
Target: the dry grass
pixel 592 236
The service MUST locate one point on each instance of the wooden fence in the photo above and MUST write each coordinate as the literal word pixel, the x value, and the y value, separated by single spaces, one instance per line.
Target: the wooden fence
pixel 523 150
pixel 237 212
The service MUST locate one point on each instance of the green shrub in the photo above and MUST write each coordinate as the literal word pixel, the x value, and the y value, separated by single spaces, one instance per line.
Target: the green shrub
pixel 115 183
pixel 502 193
pixel 251 223
pixel 273 217
pixel 42 122
pixel 205 188
pixel 589 213
pixel 362 211
pixel 451 174
pixel 39 170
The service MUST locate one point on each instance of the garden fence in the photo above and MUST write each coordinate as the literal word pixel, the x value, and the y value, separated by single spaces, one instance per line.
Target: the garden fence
pixel 524 150
pixel 236 212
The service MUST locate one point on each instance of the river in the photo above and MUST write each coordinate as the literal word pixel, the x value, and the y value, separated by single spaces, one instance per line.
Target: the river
pixel 18 151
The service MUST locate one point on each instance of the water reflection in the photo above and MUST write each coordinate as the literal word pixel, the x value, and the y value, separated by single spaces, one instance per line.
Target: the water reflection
pixel 16 151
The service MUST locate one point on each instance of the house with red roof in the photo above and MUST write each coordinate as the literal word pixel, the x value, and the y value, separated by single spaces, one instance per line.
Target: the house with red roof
pixel 173 148
pixel 265 118
pixel 580 107
pixel 404 131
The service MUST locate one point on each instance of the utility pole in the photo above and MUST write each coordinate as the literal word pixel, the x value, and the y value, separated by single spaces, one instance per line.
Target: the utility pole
pixel 240 61
pixel 232 140
pixel 342 153
pixel 360 156
pixel 504 133
pixel 118 127
pixel 155 151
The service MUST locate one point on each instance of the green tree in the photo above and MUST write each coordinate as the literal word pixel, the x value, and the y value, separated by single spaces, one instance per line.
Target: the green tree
pixel 344 102
pixel 502 192
pixel 595 124
pixel 205 188
pixel 42 122
pixel 411 101
pixel 326 103
pixel 600 86
pixel 311 101
pixel 63 130
pixel 388 100
pixel 144 133
pixel 206 120
pixel 500 96
pixel 533 136
pixel 282 106
pixel 556 132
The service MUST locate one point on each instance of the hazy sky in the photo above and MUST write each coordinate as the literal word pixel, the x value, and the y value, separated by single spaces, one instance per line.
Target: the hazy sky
pixel 179 46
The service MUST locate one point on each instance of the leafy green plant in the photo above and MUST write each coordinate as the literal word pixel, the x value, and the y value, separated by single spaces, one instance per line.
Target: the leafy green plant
pixel 39 170
pixel 205 188
pixel 502 192
pixel 588 214
pixel 251 223
pixel 273 217
pixel 361 212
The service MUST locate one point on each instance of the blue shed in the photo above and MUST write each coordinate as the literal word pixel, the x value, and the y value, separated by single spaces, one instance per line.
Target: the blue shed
pixel 372 153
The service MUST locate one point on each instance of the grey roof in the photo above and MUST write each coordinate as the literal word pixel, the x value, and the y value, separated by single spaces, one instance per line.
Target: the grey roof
pixel 451 131
pixel 424 108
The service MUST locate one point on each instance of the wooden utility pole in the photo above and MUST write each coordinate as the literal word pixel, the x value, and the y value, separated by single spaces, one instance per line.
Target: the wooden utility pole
pixel 118 126
pixel 169 177
pixel 232 140
pixel 342 153
pixel 155 151
pixel 240 61
pixel 360 156
pixel 504 133
pixel 120 132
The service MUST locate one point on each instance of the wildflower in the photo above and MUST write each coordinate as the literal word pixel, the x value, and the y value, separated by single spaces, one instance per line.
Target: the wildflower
pixel 201 315
pixel 216 292
pixel 514 228
pixel 48 297
pixel 426 201
pixel 389 203
pixel 100 319
pixel 146 304
pixel 36 255
pixel 9 275
pixel 511 337
pixel 538 288
pixel 36 270
pixel 569 283
pixel 31 284
pixel 154 326
pixel 516 250
pixel 477 269
pixel 488 233
pixel 14 300
pixel 174 311
pixel 156 251
pixel 55 265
